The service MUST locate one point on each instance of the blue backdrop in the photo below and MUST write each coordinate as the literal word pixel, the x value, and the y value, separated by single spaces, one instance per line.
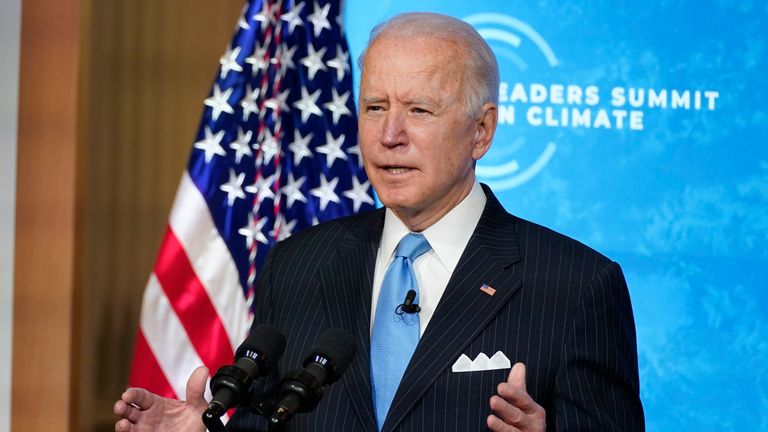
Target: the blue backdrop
pixel 640 128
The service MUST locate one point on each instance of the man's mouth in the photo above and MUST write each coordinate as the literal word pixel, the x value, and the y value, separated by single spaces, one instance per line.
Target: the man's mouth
pixel 397 169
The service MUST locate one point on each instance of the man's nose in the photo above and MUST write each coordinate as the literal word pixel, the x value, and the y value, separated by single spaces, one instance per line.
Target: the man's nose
pixel 393 132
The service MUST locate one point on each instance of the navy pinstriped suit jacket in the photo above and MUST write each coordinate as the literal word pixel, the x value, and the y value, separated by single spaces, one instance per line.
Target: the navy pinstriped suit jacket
pixel 560 307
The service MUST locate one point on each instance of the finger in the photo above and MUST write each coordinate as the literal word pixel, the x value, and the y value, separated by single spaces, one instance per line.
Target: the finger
pixel 497 425
pixel 120 408
pixel 517 397
pixel 508 413
pixel 196 386
pixel 139 397
pixel 517 376
pixel 126 411
pixel 123 426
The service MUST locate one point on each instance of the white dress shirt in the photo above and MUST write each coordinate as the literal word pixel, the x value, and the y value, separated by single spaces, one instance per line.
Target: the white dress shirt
pixel 448 237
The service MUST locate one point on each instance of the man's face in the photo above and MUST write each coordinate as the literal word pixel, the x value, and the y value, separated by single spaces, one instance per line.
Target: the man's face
pixel 418 140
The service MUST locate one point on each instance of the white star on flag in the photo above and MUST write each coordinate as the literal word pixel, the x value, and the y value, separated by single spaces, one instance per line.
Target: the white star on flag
pixel 241 22
pixel 233 187
pixel 282 229
pixel 326 191
pixel 319 18
pixel 340 22
pixel 211 144
pixel 340 63
pixel 300 146
pixel 338 105
pixel 265 16
pixel 229 62
pixel 293 17
pixel 314 60
pixel 258 60
pixel 308 104
pixel 332 149
pixel 249 102
pixel 359 193
pixel 270 147
pixel 262 187
pixel 286 57
pixel 355 149
pixel 292 190
pixel 253 231
pixel 219 102
pixel 278 101
pixel 242 145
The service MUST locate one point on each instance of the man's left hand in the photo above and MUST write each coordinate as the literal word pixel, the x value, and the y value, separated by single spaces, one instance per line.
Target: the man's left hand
pixel 513 408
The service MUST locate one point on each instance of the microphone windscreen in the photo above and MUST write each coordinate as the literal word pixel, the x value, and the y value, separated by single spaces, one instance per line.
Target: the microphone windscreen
pixel 338 346
pixel 265 339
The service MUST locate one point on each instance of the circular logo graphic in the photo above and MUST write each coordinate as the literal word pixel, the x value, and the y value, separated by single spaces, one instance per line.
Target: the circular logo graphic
pixel 514 158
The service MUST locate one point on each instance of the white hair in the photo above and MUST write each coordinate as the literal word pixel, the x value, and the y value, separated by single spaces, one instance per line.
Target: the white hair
pixel 482 77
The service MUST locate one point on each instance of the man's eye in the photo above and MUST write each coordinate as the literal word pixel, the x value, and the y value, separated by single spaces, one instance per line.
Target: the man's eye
pixel 417 110
pixel 374 108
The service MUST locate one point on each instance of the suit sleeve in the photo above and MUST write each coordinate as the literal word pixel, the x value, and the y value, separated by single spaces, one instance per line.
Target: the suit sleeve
pixel 597 385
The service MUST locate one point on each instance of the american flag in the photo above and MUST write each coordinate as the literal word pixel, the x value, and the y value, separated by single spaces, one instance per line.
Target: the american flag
pixel 276 152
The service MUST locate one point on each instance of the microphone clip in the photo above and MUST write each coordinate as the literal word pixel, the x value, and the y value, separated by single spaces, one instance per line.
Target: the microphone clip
pixel 408 306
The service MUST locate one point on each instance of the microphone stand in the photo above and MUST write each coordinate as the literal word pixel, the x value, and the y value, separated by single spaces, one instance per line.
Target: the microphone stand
pixel 213 422
pixel 257 405
pixel 275 427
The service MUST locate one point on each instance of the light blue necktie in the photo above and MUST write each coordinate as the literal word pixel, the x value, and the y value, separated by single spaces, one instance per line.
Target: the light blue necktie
pixel 395 336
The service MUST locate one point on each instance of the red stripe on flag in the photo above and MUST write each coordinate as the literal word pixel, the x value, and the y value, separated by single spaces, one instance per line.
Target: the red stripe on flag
pixel 191 303
pixel 146 372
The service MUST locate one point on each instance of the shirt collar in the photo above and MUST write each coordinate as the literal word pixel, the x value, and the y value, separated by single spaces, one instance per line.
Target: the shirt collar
pixel 448 236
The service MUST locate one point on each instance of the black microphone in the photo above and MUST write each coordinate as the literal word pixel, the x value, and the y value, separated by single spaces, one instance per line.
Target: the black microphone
pixel 231 385
pixel 301 390
pixel 408 306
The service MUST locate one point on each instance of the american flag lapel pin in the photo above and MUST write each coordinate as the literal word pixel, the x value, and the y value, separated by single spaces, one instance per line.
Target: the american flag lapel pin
pixel 488 289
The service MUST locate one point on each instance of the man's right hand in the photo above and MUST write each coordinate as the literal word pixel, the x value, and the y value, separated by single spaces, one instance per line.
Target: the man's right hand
pixel 142 411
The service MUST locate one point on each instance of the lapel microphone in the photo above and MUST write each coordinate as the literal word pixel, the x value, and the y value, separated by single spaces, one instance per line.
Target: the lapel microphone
pixel 408 306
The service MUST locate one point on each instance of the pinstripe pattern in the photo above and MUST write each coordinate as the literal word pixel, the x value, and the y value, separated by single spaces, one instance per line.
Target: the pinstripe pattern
pixel 559 307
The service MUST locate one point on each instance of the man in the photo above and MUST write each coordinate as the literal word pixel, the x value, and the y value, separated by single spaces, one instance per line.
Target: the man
pixel 487 281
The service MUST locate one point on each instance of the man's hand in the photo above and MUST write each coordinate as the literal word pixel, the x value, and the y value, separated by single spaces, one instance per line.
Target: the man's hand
pixel 142 411
pixel 513 409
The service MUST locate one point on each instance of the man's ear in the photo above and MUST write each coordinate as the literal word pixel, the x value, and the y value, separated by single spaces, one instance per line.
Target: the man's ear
pixel 485 128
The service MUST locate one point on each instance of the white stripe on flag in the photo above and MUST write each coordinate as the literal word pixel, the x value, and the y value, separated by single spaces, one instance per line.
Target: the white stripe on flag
pixel 160 324
pixel 191 222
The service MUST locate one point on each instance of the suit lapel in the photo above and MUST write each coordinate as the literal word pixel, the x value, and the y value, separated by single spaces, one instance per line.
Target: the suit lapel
pixel 464 310
pixel 346 284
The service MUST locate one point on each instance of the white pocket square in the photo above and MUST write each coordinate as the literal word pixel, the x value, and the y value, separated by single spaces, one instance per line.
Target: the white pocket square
pixel 481 363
